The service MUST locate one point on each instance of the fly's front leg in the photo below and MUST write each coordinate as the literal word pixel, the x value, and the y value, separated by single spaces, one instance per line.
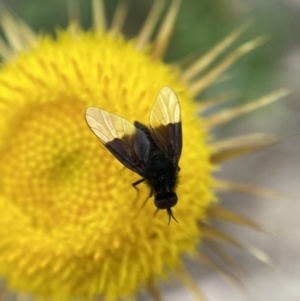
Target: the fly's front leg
pixel 134 186
pixel 138 191
pixel 137 183
pixel 148 197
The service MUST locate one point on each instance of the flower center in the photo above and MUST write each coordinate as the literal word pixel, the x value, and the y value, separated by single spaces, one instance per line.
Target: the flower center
pixel 50 157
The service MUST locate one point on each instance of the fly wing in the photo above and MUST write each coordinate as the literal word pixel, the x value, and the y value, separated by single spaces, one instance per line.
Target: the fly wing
pixel 165 124
pixel 126 142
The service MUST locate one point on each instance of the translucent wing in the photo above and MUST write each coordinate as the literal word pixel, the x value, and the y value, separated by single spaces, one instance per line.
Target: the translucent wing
pixel 165 124
pixel 126 142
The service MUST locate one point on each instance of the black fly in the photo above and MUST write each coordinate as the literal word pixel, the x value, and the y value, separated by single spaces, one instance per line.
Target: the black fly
pixel 152 152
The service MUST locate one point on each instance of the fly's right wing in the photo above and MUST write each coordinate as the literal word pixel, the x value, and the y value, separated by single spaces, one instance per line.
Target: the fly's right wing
pixel 165 124
pixel 126 142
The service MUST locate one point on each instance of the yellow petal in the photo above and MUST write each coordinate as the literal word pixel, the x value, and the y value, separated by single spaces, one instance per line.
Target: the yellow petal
pixel 205 60
pixel 147 30
pixel 229 114
pixel 120 15
pixel 228 149
pixel 233 217
pixel 216 234
pixel 213 265
pixel 190 283
pixel 163 37
pixel 223 185
pixel 211 76
pixel 99 18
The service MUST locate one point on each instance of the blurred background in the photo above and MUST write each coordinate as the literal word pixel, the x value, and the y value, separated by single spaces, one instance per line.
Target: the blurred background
pixel 200 25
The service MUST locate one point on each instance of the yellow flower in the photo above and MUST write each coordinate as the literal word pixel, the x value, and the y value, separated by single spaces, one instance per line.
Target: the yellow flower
pixel 71 225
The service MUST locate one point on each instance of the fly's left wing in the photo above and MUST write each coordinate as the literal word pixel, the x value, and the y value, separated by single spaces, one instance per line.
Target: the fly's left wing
pixel 165 124
pixel 126 142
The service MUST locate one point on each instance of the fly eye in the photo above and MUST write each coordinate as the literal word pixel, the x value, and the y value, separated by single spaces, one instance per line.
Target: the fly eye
pixel 166 200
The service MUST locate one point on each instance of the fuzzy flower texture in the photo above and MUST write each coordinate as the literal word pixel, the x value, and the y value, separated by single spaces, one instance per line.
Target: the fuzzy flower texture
pixel 71 225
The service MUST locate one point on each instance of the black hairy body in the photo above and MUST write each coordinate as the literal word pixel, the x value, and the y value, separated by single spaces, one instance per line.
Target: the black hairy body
pixel 160 174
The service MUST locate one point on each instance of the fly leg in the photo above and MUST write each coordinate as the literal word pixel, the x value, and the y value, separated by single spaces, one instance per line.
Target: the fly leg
pixel 145 202
pixel 155 213
pixel 138 191
pixel 134 185
pixel 137 183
